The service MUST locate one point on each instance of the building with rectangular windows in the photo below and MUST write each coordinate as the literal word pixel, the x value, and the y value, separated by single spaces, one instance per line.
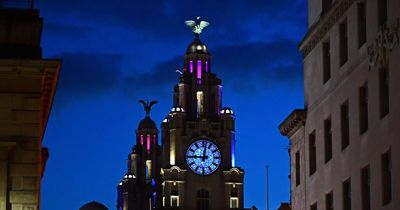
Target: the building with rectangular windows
pixel 27 87
pixel 344 143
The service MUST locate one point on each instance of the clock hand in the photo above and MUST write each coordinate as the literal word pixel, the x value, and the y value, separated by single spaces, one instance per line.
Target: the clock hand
pixel 204 154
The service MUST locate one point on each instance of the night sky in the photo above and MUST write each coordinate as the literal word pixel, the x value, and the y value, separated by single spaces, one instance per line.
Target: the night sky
pixel 116 52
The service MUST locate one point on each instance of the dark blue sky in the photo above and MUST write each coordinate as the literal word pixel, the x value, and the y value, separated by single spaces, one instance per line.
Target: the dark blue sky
pixel 116 52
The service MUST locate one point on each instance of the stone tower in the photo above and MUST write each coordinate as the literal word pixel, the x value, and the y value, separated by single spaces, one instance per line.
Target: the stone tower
pixel 138 188
pixel 198 141
pixel 194 169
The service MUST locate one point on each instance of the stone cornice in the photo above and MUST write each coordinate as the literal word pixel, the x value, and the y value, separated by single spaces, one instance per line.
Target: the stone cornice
pixel 323 26
pixel 293 122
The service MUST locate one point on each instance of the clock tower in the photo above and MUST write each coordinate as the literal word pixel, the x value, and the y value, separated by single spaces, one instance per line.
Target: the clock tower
pixel 198 169
pixel 194 167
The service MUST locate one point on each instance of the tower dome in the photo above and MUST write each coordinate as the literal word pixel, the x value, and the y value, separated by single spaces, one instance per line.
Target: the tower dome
pixel 147 123
pixel 94 205
pixel 197 46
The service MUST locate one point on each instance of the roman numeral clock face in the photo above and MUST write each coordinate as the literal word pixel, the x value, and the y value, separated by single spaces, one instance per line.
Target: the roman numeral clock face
pixel 203 157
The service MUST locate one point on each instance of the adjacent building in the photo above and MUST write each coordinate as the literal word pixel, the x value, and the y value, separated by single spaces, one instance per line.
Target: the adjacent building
pixel 344 144
pixel 27 86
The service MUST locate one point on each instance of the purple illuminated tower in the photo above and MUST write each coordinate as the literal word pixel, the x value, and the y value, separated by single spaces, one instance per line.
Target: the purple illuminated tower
pixel 195 168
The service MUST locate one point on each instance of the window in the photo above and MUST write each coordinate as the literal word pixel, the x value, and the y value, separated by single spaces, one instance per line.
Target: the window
pixel 386 177
pixel 328 139
pixel 346 195
pixel 329 201
pixel 234 202
pixel 326 5
pixel 362 23
pixel 200 103
pixel 314 207
pixel 202 200
pixel 365 189
pixel 297 168
pixel 312 153
pixel 383 92
pixel 363 108
pixel 326 60
pixel 174 200
pixel 343 43
pixel 344 124
pixel 382 12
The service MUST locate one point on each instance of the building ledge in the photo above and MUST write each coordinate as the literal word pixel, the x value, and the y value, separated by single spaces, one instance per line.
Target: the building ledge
pixel 293 122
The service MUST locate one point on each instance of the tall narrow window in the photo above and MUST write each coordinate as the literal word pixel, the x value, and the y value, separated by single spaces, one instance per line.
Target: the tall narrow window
pixel 365 189
pixel 234 201
pixel 202 200
pixel 362 23
pixel 343 42
pixel 328 139
pixel 297 168
pixel 326 60
pixel 148 143
pixel 174 200
pixel 326 5
pixel 346 195
pixel 344 124
pixel 190 66
pixel 363 108
pixel 329 201
pixel 386 175
pixel 382 12
pixel 312 153
pixel 383 92
pixel 148 169
pixel 314 206
pixel 200 103
pixel 199 69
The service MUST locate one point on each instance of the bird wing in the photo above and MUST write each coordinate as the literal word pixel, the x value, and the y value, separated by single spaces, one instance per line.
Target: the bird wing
pixel 204 24
pixel 152 103
pixel 190 23
pixel 143 102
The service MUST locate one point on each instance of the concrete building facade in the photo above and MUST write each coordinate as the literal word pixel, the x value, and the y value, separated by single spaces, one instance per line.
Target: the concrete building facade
pixel 27 87
pixel 344 148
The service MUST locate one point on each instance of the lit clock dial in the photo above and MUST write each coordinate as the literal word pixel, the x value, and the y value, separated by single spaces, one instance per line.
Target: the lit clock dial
pixel 203 157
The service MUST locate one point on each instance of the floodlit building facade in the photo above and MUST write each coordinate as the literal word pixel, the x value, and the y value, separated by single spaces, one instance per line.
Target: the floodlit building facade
pixel 27 87
pixel 194 167
pixel 344 144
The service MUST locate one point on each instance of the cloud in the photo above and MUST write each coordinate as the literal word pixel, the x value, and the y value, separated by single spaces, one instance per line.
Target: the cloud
pixel 84 74
pixel 231 19
pixel 270 63
pixel 244 67
pixel 162 77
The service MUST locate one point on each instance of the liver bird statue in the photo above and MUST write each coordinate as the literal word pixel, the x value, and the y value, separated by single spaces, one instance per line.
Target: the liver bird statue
pixel 197 25
pixel 147 106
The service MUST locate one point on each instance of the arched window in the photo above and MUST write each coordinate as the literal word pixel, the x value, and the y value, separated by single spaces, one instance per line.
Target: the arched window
pixel 202 200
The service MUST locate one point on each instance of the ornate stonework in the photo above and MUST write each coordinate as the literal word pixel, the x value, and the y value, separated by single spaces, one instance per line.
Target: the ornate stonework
pixel 386 40
pixel 322 27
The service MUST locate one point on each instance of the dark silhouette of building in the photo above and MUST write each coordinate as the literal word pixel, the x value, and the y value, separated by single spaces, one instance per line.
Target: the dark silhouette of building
pixel 194 168
pixel 27 87
pixel 94 205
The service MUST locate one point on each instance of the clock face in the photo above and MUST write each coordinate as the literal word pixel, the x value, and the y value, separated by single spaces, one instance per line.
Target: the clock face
pixel 203 157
